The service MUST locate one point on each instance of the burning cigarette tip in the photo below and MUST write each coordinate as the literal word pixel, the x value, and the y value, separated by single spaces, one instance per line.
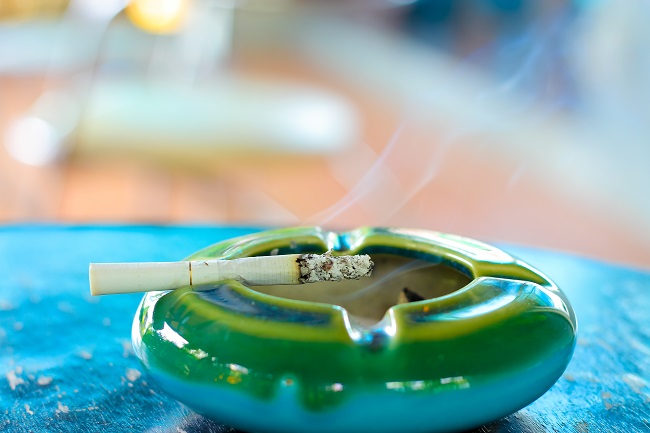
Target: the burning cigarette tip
pixel 325 267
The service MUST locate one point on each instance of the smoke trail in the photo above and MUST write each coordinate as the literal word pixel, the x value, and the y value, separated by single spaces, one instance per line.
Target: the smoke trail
pixel 404 168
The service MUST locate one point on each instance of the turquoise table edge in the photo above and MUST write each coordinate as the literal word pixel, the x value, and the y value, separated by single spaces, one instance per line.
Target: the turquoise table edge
pixel 605 384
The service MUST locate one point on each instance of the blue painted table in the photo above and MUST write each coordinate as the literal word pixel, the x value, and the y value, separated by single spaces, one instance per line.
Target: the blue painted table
pixel 66 362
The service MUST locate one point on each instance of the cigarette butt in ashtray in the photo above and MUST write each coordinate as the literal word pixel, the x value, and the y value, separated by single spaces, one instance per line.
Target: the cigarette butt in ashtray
pixel 115 278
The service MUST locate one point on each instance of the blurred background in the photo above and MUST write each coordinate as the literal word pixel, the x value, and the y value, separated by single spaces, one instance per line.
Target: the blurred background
pixel 516 121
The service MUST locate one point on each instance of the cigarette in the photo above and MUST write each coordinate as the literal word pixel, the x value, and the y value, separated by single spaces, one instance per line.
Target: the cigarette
pixel 115 278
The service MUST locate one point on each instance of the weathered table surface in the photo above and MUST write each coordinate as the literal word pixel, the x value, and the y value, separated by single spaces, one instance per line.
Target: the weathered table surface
pixel 67 364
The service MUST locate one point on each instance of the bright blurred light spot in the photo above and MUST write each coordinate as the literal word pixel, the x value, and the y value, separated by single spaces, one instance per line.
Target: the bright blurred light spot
pixel 390 330
pixel 316 119
pixel 157 16
pixel 32 141
pixel 336 387
pixel 312 122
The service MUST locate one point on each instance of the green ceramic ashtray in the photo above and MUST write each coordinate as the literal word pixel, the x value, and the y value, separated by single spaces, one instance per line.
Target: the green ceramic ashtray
pixel 490 335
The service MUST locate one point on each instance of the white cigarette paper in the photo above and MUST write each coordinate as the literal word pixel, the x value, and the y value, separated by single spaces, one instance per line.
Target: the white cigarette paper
pixel 114 278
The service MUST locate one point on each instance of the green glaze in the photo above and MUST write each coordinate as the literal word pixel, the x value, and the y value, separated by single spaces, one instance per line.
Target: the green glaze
pixel 229 346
